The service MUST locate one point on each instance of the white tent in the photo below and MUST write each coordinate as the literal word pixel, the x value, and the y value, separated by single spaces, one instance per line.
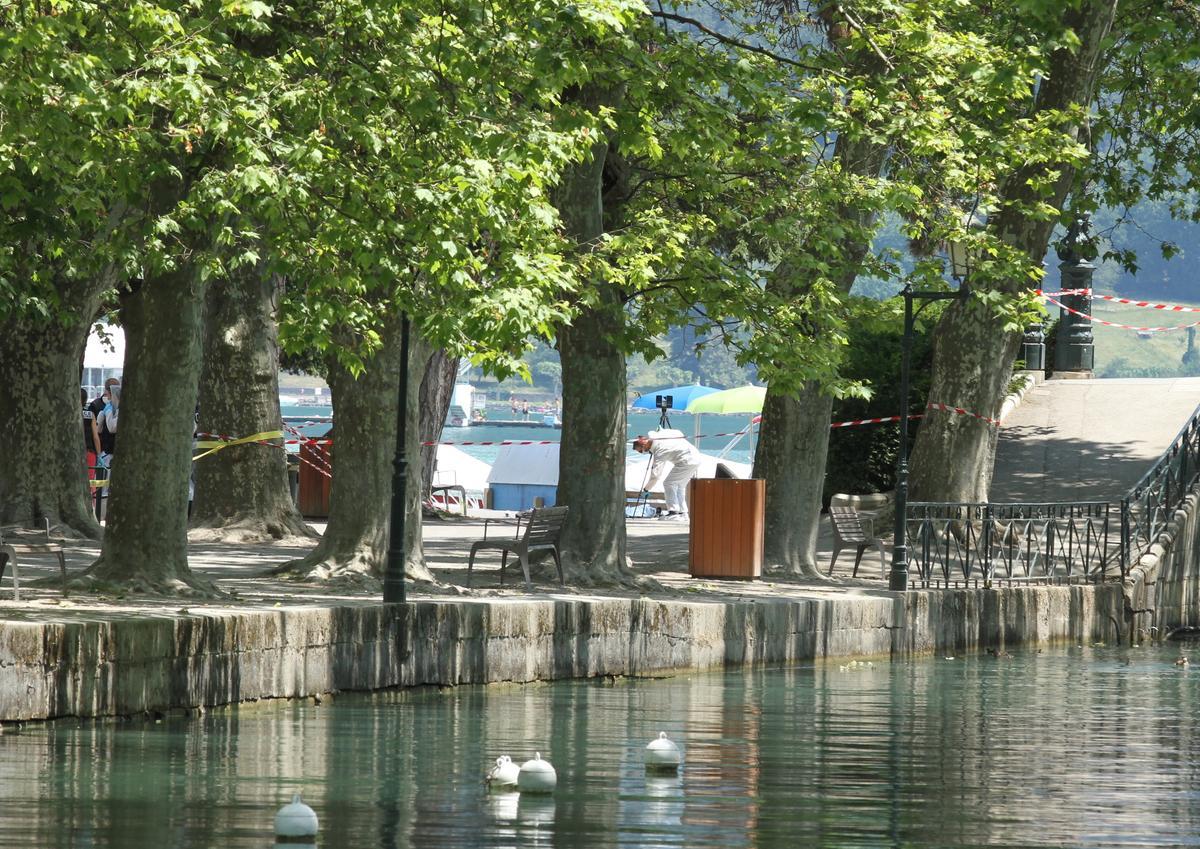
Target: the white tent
pixel 455 467
pixel 526 464
pixel 105 348
pixel 104 356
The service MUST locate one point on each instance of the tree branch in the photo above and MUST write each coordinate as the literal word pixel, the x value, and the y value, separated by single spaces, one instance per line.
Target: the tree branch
pixel 739 44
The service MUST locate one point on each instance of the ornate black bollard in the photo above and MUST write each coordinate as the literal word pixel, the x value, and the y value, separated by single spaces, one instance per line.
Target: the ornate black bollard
pixel 1075 348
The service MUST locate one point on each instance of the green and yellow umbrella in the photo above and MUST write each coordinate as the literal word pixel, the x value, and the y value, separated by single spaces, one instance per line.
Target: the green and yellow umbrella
pixel 743 399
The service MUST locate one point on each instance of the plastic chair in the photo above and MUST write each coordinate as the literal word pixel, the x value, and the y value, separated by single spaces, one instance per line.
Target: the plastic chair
pixel 848 530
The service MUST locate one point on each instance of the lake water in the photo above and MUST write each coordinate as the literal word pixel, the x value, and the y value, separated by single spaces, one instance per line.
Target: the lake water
pixel 1080 747
pixel 715 430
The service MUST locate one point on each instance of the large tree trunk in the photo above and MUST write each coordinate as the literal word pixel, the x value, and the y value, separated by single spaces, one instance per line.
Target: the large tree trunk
pixel 354 546
pixel 973 355
pixel 437 388
pixel 242 492
pixel 43 475
pixel 591 462
pixel 145 540
pixel 792 445
pixel 794 439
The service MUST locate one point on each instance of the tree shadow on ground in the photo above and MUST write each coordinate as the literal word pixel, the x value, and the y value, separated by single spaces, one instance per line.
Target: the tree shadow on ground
pixel 1035 465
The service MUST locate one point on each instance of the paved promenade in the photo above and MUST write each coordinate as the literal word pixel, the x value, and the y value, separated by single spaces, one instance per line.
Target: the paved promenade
pixel 1067 440
pixel 1073 440
pixel 658 551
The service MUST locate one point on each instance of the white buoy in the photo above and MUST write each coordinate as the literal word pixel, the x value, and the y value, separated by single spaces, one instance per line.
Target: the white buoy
pixel 661 753
pixel 536 776
pixel 296 819
pixel 503 776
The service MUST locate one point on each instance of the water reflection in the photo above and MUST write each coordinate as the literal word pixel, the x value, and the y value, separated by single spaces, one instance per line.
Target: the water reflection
pixel 1088 747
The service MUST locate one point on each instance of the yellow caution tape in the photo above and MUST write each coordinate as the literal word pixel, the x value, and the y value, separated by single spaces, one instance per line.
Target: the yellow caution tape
pixel 216 445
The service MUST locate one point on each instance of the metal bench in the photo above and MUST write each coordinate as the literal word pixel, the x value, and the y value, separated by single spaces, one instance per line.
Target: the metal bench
pixel 13 542
pixel 848 530
pixel 542 529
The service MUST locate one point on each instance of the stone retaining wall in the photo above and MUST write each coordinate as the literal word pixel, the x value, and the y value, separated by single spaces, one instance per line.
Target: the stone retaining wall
pixel 1164 587
pixel 156 663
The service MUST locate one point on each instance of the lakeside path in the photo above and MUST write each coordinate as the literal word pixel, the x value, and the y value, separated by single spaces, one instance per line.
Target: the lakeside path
pixel 658 550
pixel 1073 440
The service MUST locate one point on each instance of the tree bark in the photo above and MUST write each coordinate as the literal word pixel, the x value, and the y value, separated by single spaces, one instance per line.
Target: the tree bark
pixel 354 546
pixel 792 446
pixel 591 462
pixel 973 356
pixel 242 492
pixel 437 388
pixel 43 475
pixel 145 540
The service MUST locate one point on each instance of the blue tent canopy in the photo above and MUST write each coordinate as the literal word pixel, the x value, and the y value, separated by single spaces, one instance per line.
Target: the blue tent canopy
pixel 681 396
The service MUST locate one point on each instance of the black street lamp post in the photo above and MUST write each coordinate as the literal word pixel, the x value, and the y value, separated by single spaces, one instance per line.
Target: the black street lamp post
pixel 898 578
pixel 393 575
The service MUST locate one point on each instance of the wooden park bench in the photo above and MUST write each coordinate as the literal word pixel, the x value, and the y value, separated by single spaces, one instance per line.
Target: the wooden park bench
pixel 14 542
pixel 542 529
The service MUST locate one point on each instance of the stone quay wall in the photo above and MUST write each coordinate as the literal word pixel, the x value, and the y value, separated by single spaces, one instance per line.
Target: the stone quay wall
pixel 149 664
pixel 1164 586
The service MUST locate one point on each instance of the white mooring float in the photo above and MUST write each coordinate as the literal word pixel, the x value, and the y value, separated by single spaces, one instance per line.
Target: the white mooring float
pixel 296 822
pixel 503 776
pixel 536 776
pixel 661 753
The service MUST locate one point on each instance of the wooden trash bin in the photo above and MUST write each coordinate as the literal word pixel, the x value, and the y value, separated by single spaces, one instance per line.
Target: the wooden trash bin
pixel 316 461
pixel 726 538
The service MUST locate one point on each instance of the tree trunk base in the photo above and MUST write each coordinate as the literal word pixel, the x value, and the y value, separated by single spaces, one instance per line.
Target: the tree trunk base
pixel 354 569
pixel 799 570
pixel 254 529
pixel 102 579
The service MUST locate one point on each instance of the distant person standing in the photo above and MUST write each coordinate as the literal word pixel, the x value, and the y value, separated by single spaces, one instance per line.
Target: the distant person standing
pixel 107 421
pixel 107 438
pixel 91 436
pixel 524 409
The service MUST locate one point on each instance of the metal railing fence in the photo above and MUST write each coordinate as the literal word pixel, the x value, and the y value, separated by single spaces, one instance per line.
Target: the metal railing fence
pixel 1153 500
pixel 955 544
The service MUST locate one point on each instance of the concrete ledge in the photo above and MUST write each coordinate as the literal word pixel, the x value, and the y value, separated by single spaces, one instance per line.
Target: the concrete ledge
pixel 1013 401
pixel 129 666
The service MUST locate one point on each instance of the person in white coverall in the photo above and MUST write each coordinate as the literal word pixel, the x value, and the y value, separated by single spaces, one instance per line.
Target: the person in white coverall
pixel 683 460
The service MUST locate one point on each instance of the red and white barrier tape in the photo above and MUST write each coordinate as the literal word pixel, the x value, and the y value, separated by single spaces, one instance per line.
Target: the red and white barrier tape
pixel 946 408
pixel 857 422
pixel 1095 320
pixel 1114 299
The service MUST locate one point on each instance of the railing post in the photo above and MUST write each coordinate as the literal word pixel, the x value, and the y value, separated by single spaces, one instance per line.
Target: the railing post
pixel 987 543
pixel 1126 541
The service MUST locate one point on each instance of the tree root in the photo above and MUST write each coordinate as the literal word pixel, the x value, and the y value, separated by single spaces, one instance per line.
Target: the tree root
pixel 358 570
pixel 800 571
pixel 193 586
pixel 253 530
